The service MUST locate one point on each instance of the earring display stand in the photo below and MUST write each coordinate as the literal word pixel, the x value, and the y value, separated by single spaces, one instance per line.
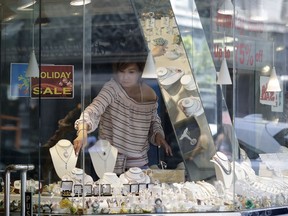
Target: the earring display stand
pixel 103 156
pixel 63 157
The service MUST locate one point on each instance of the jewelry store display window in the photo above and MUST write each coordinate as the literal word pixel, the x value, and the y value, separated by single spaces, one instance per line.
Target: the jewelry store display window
pixel 203 129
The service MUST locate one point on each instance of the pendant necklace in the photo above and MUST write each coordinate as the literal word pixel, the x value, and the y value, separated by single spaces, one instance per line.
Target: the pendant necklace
pixel 104 155
pixel 65 154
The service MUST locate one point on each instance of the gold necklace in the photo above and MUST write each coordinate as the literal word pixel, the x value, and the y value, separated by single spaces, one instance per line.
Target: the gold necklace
pixel 65 154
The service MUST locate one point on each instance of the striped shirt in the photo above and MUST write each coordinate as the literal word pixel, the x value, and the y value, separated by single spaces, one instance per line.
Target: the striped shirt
pixel 127 124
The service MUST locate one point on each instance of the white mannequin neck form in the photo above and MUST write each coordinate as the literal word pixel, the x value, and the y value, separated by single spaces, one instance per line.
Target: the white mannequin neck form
pixel 103 156
pixel 63 157
pixel 223 169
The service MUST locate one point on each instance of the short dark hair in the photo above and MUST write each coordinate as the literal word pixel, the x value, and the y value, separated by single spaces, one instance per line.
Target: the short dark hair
pixel 122 65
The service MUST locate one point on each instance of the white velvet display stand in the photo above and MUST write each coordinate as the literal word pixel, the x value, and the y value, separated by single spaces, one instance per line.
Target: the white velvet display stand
pixel 63 157
pixel 78 176
pixel 103 156
pixel 134 175
pixel 223 169
pixel 239 171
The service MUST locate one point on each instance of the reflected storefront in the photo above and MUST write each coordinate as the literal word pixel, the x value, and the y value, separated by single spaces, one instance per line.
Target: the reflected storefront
pixel 219 70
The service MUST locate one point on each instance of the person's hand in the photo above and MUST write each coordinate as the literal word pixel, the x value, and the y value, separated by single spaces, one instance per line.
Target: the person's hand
pixel 80 140
pixel 161 142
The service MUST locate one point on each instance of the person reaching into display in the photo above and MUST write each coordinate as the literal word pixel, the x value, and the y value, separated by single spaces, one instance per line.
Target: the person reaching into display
pixel 125 111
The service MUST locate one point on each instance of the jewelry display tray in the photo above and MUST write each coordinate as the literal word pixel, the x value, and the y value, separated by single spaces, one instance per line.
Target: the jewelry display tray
pixel 265 211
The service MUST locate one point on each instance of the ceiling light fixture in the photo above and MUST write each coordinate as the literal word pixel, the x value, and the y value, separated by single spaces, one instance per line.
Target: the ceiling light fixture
pixel 42 19
pixel 224 76
pixel 33 69
pixel 265 69
pixel 226 8
pixel 25 4
pixel 273 83
pixel 7 13
pixel 258 11
pixel 79 2
pixel 149 69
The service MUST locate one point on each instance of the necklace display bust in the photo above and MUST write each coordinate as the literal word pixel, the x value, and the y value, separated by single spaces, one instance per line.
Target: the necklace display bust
pixel 223 168
pixel 134 175
pixel 63 157
pixel 103 156
pixel 78 176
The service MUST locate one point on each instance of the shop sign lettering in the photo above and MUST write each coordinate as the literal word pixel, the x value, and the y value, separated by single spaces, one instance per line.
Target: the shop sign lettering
pixel 28 204
pixel 268 98
pixel 56 81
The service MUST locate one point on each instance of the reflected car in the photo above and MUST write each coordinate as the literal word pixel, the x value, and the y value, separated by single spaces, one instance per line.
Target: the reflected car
pixel 258 136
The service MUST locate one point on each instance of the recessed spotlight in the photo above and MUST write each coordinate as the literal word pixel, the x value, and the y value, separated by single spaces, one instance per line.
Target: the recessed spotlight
pixel 79 2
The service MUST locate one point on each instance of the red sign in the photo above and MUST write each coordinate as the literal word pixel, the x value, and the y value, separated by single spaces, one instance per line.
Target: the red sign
pixel 268 98
pixel 224 20
pixel 248 54
pixel 56 81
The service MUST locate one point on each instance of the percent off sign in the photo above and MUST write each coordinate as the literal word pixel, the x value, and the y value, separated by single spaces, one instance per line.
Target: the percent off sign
pixel 247 55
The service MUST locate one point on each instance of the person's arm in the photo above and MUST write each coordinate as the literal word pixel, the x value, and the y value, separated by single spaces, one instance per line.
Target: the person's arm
pixel 156 134
pixel 81 137
pixel 161 142
pixel 92 113
pixel 90 117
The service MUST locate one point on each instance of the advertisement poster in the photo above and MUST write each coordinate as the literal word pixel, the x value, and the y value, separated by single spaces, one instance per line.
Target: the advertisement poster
pixel 19 83
pixel 279 103
pixel 275 99
pixel 56 81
